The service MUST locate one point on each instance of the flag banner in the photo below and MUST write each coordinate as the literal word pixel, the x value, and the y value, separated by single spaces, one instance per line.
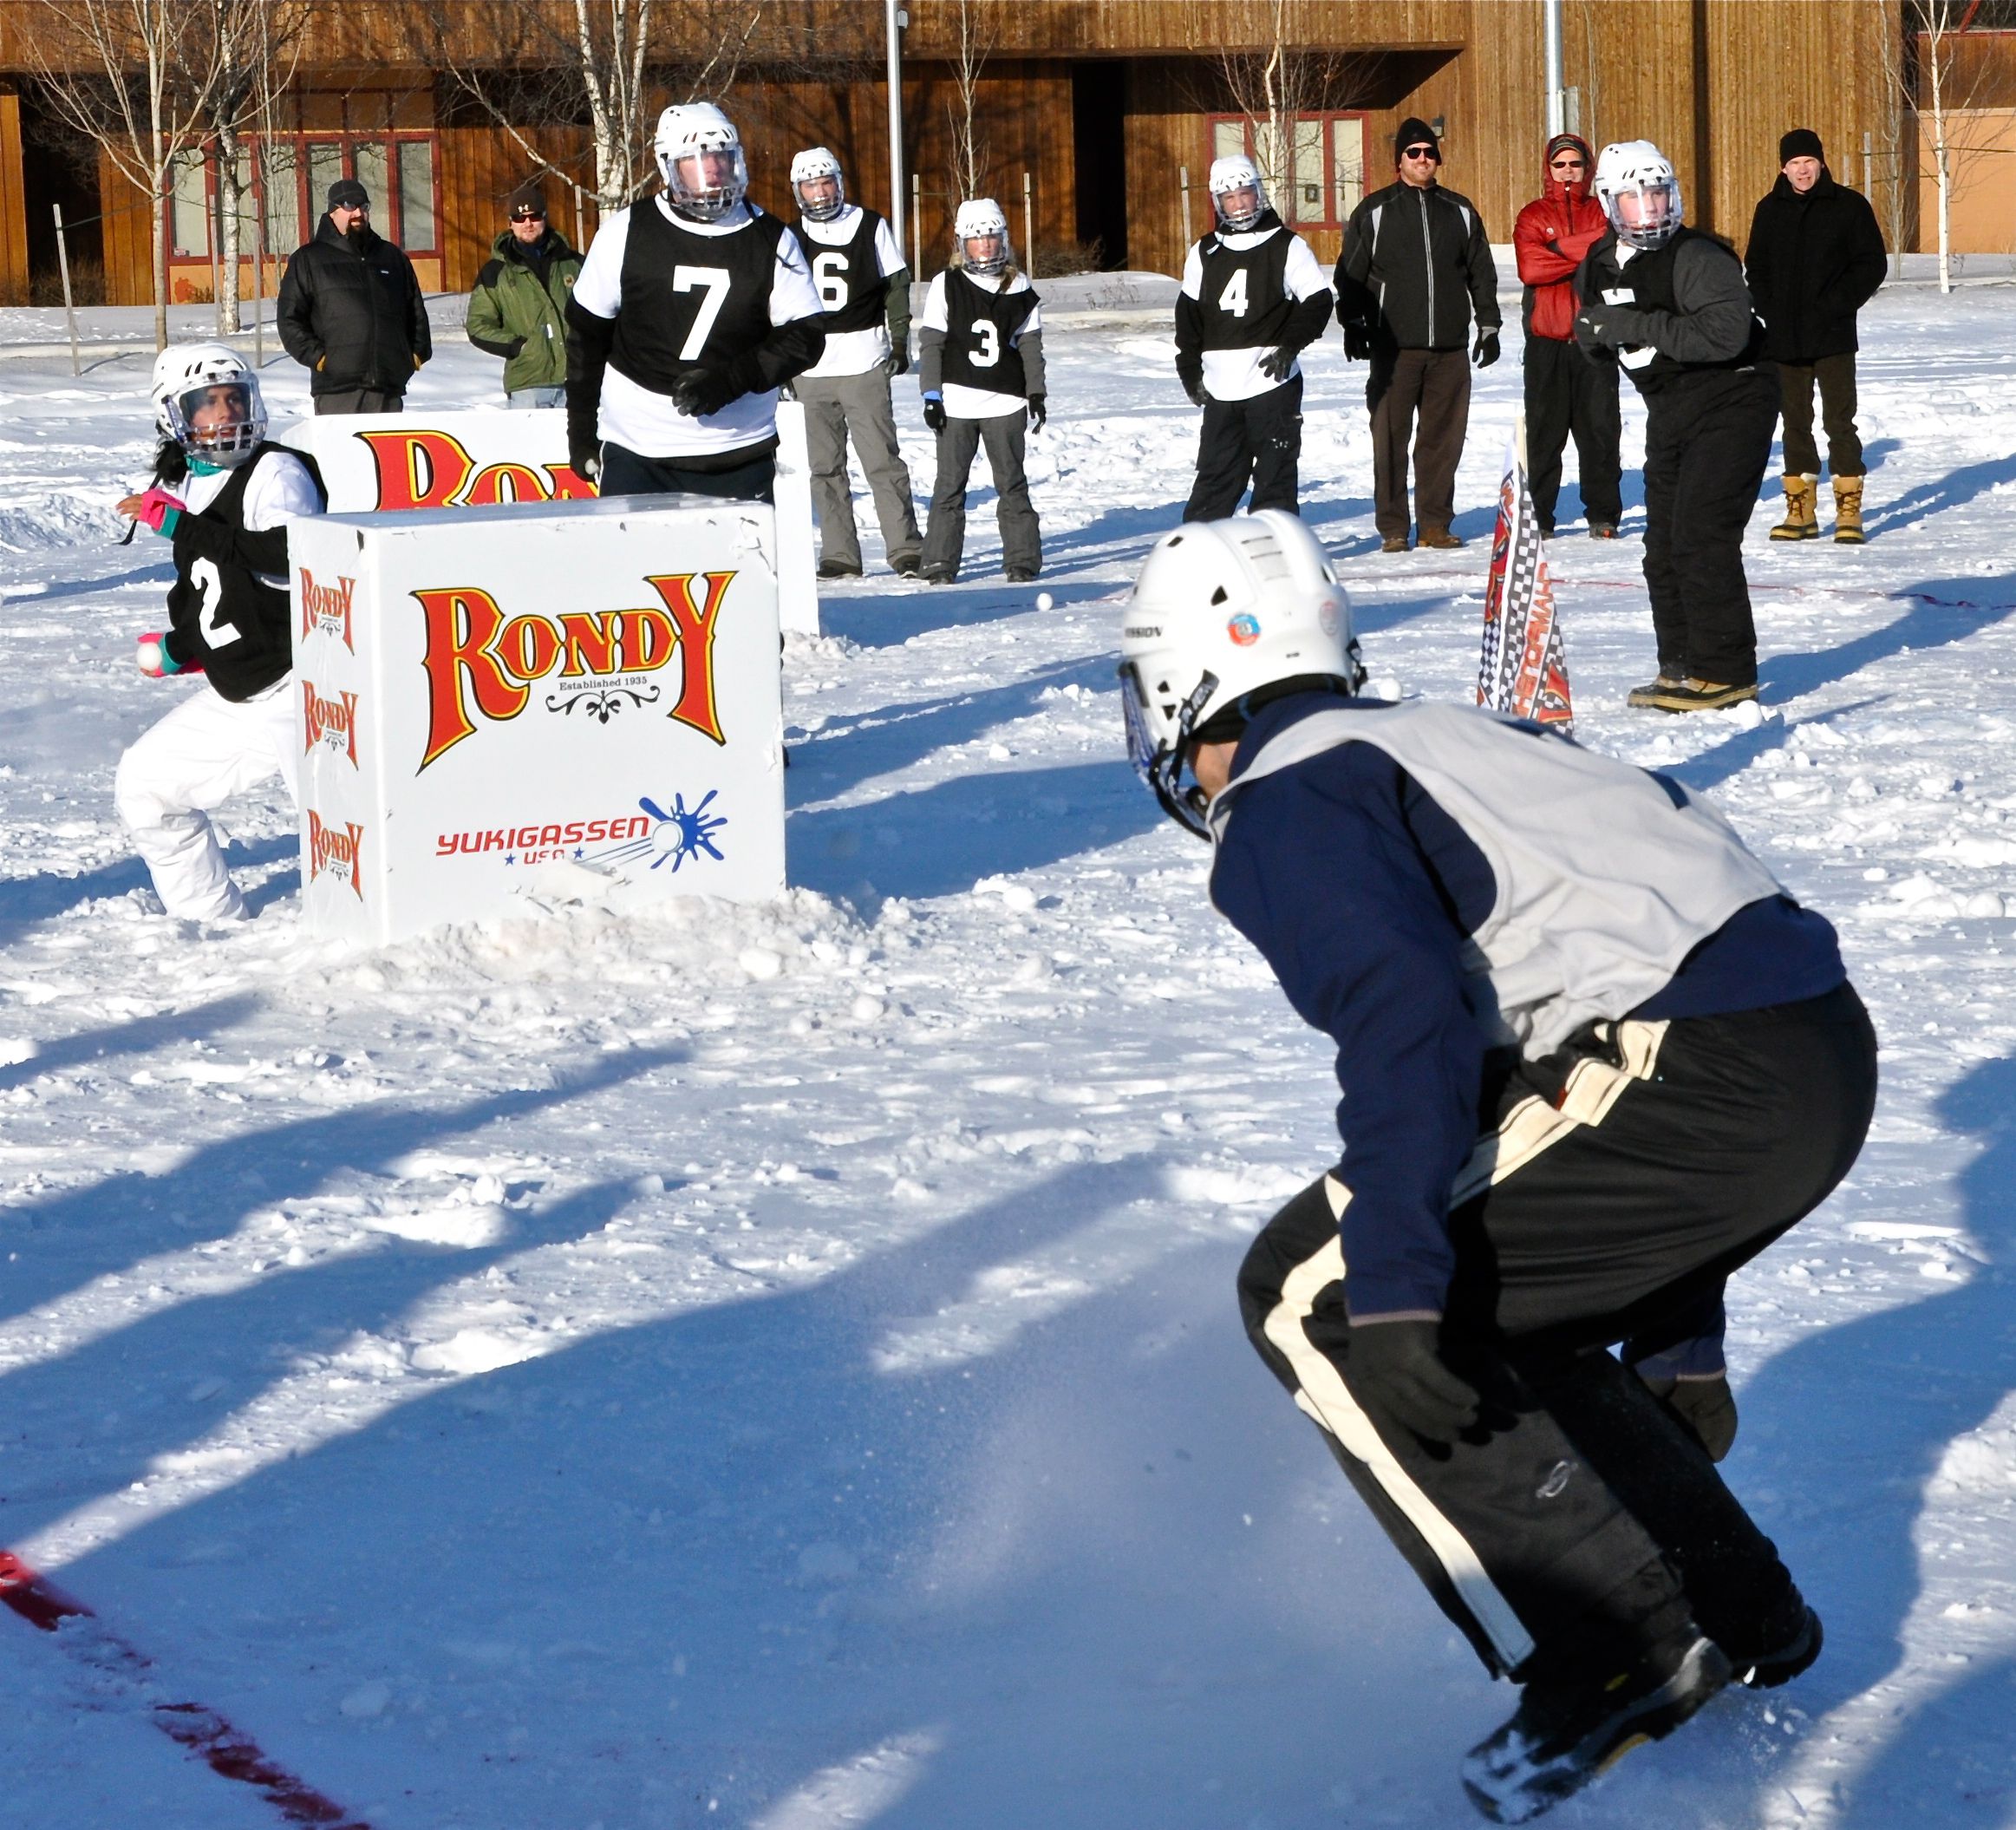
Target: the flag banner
pixel 1521 669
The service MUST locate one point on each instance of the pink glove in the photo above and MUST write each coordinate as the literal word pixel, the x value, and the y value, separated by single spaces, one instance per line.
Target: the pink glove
pixel 156 505
pixel 156 662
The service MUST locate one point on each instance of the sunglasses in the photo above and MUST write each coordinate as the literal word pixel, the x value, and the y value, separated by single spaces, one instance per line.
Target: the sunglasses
pixel 1570 165
pixel 1428 153
pixel 528 215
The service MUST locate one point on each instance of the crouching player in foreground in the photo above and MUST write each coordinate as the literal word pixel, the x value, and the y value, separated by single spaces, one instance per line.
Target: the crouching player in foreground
pixel 1593 1058
pixel 227 499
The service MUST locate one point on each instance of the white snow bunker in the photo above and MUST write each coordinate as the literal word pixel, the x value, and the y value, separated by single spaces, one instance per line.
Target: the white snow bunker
pixel 491 698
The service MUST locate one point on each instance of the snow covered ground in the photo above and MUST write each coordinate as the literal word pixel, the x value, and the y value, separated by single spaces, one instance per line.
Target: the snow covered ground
pixel 779 1367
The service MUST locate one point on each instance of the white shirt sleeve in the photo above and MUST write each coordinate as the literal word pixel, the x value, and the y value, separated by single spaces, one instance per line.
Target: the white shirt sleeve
pixel 792 296
pixel 1034 321
pixel 888 256
pixel 599 288
pixel 278 489
pixel 1193 270
pixel 1303 276
pixel 935 316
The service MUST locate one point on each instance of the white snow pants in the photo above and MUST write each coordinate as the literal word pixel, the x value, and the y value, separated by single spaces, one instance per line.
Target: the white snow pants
pixel 199 755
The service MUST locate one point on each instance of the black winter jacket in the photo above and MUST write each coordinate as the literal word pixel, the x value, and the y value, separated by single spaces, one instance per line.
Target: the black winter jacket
pixel 1416 264
pixel 1813 262
pixel 352 315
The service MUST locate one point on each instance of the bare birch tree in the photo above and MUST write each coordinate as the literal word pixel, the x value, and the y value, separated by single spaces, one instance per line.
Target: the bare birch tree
pixel 121 73
pixel 969 163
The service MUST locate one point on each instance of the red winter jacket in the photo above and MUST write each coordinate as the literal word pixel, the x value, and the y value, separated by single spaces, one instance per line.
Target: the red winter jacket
pixel 1552 234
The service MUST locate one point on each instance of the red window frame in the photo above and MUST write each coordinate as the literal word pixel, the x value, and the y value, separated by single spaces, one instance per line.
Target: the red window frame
pixel 1332 120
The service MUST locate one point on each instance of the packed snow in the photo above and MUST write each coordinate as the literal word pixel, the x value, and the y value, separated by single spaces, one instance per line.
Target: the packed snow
pixel 777 1366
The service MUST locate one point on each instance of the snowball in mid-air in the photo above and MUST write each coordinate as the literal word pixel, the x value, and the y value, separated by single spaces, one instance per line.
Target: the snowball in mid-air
pixel 1044 600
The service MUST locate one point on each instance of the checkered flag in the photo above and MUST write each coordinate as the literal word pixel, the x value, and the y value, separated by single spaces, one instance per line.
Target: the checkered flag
pixel 1521 669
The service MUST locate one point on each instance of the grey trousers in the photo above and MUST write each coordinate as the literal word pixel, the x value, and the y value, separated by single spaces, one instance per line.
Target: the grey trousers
pixel 1021 536
pixel 836 405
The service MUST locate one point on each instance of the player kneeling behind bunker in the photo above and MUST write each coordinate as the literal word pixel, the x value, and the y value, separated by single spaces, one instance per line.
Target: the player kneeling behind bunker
pixel 1564 1000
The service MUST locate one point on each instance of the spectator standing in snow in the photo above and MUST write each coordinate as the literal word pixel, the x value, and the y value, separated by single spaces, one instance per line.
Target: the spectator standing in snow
pixel 1566 390
pixel 1416 266
pixel 1815 259
pixel 1593 1060
pixel 1253 298
pixel 693 308
pixel 981 349
pixel 1669 304
pixel 863 283
pixel 222 498
pixel 518 308
pixel 350 310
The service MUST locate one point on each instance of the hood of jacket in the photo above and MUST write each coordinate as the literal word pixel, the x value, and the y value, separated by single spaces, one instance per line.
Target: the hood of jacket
pixel 366 244
pixel 1553 188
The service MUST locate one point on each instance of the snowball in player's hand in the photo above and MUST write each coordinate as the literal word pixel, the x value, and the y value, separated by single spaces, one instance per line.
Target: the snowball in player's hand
pixel 155 662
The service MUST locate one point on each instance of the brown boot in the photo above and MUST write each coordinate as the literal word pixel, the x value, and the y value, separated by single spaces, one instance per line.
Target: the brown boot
pixel 1440 537
pixel 1801 521
pixel 1848 511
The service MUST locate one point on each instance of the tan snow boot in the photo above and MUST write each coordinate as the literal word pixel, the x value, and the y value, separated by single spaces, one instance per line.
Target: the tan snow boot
pixel 1848 511
pixel 1802 499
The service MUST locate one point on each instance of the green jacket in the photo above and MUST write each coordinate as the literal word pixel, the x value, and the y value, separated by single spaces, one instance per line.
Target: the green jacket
pixel 512 313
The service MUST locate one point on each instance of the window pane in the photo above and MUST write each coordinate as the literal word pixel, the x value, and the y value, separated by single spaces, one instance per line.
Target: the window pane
pixel 1348 164
pixel 325 166
pixel 1228 138
pixel 1310 203
pixel 189 225
pixel 416 193
pixel 370 162
pixel 282 170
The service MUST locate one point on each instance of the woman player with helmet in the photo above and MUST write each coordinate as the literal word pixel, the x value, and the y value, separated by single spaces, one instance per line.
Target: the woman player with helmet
pixel 222 498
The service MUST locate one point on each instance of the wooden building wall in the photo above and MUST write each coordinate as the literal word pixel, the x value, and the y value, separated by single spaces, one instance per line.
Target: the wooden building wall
pixel 13 189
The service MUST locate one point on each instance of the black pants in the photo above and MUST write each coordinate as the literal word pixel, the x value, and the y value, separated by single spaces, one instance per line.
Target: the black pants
pixel 1708 438
pixel 1259 440
pixel 1615 1185
pixel 360 400
pixel 748 480
pixel 1568 393
pixel 1835 375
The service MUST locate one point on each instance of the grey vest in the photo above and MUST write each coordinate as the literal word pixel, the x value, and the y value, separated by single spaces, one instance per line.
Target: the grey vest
pixel 1605 884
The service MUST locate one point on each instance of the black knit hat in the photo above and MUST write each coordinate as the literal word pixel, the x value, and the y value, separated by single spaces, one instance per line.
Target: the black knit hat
pixel 346 193
pixel 1414 133
pixel 1801 143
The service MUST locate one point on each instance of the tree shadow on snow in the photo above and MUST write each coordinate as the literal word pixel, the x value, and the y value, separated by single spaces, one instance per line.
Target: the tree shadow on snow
pixel 1084 1566
pixel 137 1036
pixel 1845 1432
pixel 1953 490
pixel 1937 613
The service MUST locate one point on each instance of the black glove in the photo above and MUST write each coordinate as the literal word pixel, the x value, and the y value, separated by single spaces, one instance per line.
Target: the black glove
pixel 897 362
pixel 1594 322
pixel 1275 363
pixel 1357 344
pixel 583 449
pixel 933 413
pixel 1038 412
pixel 703 390
pixel 1396 1366
pixel 1706 1407
pixel 1195 390
pixel 1486 352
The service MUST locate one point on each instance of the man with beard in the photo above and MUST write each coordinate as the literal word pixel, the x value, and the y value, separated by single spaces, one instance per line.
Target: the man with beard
pixel 350 310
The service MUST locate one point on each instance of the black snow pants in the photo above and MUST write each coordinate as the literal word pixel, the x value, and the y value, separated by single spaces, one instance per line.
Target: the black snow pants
pixel 1568 393
pixel 1615 1185
pixel 1707 439
pixel 1258 440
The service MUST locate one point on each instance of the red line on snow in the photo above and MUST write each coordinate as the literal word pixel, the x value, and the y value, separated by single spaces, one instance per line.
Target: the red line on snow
pixel 202 1731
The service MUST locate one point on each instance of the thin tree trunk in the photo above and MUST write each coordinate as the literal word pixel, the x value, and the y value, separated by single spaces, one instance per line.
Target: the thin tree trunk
pixel 228 199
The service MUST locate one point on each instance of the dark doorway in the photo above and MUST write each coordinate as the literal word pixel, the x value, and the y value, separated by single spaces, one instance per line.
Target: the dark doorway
pixel 1098 98
pixel 60 166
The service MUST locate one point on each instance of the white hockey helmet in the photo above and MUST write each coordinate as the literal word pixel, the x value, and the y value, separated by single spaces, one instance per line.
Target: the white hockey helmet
pixel 191 383
pixel 979 218
pixel 1640 193
pixel 1222 610
pixel 688 134
pixel 1229 176
pixel 816 162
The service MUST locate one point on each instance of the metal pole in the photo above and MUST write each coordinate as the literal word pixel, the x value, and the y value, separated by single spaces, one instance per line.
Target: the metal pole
pixel 1868 168
pixel 1029 227
pixel 1182 191
pixel 69 310
pixel 893 21
pixel 916 225
pixel 1557 102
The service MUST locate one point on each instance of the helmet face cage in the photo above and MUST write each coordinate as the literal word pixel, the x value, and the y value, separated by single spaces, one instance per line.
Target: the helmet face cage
pixel 1159 764
pixel 977 222
pixel 1228 178
pixel 683 149
pixel 219 422
pixel 1657 207
pixel 811 169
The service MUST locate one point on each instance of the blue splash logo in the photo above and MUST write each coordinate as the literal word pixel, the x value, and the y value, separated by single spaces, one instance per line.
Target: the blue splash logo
pixel 676 836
